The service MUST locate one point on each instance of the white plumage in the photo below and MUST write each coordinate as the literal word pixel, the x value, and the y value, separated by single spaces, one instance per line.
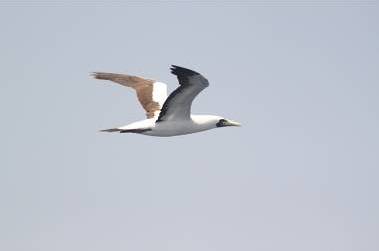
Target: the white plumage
pixel 167 116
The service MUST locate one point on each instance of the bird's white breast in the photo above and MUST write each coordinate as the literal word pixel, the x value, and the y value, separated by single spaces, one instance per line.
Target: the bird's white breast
pixel 197 123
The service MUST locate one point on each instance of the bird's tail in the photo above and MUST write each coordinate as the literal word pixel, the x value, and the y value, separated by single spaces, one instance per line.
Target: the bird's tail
pixel 141 130
pixel 111 130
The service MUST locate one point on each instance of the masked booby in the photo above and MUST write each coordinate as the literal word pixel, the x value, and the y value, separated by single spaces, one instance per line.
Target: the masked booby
pixel 167 116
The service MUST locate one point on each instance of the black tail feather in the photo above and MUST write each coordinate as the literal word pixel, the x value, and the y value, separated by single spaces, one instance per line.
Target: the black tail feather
pixel 111 130
pixel 135 130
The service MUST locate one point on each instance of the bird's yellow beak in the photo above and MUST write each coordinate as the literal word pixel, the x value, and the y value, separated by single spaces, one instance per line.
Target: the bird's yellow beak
pixel 231 123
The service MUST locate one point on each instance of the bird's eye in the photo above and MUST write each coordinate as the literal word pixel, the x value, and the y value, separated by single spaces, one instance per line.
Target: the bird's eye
pixel 221 122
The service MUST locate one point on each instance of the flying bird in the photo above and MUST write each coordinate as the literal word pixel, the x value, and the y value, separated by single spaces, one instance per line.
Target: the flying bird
pixel 167 116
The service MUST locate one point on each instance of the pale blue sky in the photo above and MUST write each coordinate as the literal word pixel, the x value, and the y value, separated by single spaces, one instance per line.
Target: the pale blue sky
pixel 301 174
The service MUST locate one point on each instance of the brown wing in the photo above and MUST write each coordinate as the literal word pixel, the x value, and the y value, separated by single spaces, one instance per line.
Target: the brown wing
pixel 151 94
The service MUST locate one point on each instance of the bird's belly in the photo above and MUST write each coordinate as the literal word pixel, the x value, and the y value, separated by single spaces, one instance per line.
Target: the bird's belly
pixel 174 128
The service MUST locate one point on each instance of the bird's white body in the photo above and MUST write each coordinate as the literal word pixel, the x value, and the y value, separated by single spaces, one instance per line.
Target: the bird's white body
pixel 167 116
pixel 150 127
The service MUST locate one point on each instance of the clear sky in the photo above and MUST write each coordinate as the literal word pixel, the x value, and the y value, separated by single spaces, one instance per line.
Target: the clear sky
pixel 301 174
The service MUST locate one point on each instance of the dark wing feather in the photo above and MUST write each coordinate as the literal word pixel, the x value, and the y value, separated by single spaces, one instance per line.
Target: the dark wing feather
pixel 178 105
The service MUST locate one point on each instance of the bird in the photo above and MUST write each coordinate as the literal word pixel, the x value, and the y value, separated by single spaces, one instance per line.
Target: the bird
pixel 167 116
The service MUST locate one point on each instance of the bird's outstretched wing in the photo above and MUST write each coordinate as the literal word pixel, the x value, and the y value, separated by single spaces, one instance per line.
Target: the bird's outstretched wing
pixel 151 94
pixel 178 105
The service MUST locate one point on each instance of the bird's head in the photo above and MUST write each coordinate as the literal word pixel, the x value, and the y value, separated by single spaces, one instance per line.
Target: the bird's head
pixel 226 122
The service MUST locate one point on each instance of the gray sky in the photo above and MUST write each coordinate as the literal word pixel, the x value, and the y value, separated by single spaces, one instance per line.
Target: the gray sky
pixel 301 174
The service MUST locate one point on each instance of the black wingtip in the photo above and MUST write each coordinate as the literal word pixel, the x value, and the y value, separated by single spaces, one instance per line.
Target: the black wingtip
pixel 178 70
